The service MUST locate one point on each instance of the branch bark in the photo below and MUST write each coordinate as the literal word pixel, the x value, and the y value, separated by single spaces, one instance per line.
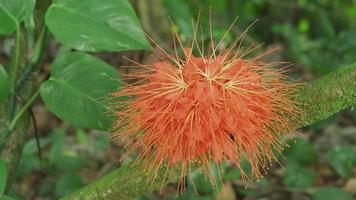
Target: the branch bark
pixel 327 95
pixel 320 99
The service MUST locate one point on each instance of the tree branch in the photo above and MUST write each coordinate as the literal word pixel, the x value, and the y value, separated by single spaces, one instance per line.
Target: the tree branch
pixel 327 95
pixel 320 99
pixel 12 150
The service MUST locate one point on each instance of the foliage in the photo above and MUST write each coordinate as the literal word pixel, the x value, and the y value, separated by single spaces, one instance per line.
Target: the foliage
pixel 67 89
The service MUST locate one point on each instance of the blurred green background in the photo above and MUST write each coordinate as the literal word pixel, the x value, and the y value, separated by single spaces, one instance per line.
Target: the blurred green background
pixel 317 36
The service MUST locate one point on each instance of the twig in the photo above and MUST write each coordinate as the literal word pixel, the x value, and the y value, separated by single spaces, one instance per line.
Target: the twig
pixel 22 111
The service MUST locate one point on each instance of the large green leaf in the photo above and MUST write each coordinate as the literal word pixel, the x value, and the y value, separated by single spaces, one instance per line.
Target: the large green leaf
pixel 96 25
pixel 78 88
pixel 13 12
pixel 4 84
pixel 3 176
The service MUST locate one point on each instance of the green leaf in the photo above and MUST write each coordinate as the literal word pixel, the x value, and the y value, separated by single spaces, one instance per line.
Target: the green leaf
pixel 300 151
pixel 202 185
pixel 31 146
pixel 13 12
pixel 303 26
pixel 28 163
pixel 4 83
pixel 81 136
pixel 29 160
pixel 233 174
pixel 68 183
pixel 297 176
pixel 47 187
pixel 3 176
pixel 92 25
pixel 331 193
pixel 8 22
pixel 78 89
pixel 342 159
pixel 68 160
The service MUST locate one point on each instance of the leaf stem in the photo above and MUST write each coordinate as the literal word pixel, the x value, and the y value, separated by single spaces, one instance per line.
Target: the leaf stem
pixel 35 59
pixel 38 49
pixel 22 111
pixel 11 126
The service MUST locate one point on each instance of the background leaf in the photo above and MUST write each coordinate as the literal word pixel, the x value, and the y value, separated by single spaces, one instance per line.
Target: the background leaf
pixel 343 159
pixel 297 176
pixel 91 25
pixel 67 183
pixel 300 151
pixel 61 157
pixel 29 160
pixel 4 84
pixel 78 89
pixel 3 176
pixel 331 193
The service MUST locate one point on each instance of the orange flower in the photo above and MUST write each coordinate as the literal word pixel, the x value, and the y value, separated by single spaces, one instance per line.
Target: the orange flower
pixel 209 108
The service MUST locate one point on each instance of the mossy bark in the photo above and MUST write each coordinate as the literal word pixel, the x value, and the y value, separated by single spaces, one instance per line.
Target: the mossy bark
pixel 126 182
pixel 319 99
pixel 327 95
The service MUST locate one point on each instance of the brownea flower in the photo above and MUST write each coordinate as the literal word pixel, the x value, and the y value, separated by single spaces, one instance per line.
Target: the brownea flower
pixel 193 110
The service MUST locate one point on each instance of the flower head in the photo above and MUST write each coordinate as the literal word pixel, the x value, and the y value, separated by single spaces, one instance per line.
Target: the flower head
pixel 198 109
